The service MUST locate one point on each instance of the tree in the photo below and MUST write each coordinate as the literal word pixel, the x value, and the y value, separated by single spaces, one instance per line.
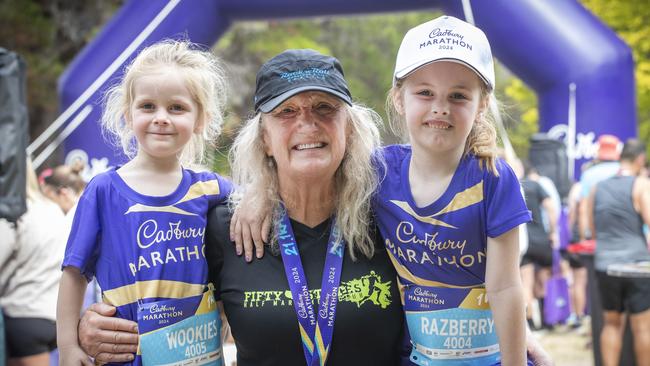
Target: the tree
pixel 48 34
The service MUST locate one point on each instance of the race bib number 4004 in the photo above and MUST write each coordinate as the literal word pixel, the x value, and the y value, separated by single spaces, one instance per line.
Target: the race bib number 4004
pixel 450 326
pixel 181 331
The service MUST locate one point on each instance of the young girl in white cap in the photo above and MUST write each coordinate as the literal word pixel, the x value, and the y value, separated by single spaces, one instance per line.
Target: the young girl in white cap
pixel 448 208
pixel 139 228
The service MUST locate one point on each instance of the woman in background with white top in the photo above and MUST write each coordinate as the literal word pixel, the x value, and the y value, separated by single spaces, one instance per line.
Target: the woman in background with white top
pixel 30 268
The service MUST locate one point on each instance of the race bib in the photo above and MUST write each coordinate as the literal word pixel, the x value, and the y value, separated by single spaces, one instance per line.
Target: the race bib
pixel 181 331
pixel 450 326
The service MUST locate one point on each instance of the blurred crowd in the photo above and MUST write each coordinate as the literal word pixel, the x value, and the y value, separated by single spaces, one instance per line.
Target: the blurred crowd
pixel 602 220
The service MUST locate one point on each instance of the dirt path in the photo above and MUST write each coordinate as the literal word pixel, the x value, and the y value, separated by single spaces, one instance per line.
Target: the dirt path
pixel 568 347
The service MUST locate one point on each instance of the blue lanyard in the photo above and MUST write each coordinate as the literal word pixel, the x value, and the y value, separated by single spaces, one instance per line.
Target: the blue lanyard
pixel 316 329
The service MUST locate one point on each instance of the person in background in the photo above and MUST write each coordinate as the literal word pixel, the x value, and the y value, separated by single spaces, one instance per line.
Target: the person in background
pixel 30 269
pixel 617 209
pixel 645 171
pixel 63 185
pixel 604 166
pixel 578 284
pixel 536 263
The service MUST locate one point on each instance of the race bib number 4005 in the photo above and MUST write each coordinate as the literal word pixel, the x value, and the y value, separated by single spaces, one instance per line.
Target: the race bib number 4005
pixel 450 326
pixel 181 331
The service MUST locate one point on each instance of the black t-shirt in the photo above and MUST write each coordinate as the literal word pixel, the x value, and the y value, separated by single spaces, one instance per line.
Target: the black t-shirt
pixel 257 300
pixel 534 195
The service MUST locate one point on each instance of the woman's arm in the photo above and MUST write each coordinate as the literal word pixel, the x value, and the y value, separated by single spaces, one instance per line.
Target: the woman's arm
pixel 642 199
pixel 548 206
pixel 106 338
pixel 71 291
pixel 505 295
pixel 589 211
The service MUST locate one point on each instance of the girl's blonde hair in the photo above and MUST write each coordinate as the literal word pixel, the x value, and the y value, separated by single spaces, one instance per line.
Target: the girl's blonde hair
pixel 482 139
pixel 204 78
pixel 355 179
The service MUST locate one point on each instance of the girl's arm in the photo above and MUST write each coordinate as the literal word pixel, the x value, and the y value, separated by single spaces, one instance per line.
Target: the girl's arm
pixel 225 327
pixel 71 292
pixel 505 295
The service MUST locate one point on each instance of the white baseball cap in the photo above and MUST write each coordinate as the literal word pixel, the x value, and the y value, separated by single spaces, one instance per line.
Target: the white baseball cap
pixel 445 39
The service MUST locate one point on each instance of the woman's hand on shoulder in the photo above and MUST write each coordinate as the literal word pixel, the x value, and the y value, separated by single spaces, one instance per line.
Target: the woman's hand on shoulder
pixel 250 227
pixel 106 338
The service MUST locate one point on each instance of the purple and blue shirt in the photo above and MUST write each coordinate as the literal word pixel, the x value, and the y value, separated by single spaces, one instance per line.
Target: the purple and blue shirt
pixel 142 248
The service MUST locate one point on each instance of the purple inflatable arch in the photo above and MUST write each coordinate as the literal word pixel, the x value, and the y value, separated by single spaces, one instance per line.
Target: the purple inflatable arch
pixel 551 45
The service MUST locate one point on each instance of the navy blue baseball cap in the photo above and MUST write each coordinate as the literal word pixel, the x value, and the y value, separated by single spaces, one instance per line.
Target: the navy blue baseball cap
pixel 295 71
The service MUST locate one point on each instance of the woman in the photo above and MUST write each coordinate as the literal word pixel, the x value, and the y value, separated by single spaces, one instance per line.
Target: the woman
pixel 30 269
pixel 308 150
pixel 63 185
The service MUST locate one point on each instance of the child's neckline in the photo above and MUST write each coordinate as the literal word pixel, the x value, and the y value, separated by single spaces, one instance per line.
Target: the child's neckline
pixel 169 199
pixel 439 202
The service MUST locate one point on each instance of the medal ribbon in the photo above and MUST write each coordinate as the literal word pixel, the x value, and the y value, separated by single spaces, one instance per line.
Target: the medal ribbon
pixel 316 329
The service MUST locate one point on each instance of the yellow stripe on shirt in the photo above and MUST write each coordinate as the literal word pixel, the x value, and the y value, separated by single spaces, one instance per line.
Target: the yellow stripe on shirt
pixel 151 289
pixel 404 273
pixel 198 189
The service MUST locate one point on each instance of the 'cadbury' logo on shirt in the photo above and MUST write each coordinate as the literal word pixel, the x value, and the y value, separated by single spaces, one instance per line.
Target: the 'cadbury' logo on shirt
pixel 445 37
pixel 305 74
pixel 149 234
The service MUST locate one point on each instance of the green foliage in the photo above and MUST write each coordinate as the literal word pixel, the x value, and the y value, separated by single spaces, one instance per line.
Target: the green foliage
pixel 27 31
pixel 47 35
pixel 521 115
pixel 367 47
